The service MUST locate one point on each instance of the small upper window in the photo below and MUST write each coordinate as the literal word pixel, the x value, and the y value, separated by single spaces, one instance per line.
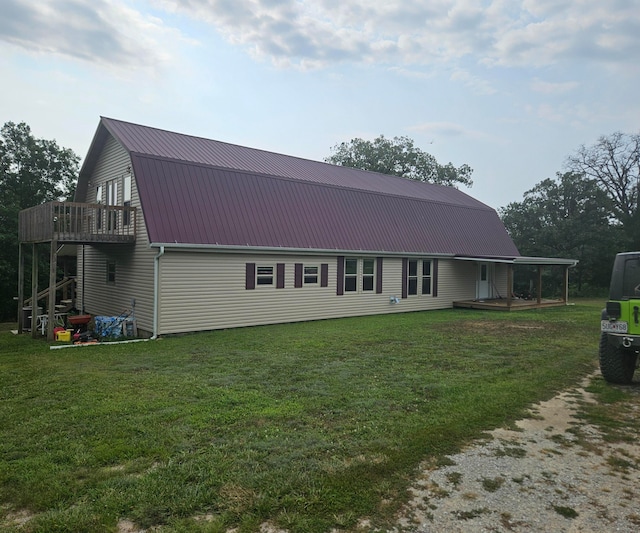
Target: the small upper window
pixel 111 272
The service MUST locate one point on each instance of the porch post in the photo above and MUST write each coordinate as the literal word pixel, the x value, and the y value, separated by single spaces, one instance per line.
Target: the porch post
pixel 53 264
pixel 540 267
pixel 34 289
pixel 20 287
pixel 509 284
pixel 566 284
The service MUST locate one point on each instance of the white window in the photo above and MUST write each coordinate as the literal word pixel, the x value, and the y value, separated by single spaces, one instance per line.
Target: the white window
pixel 264 275
pixel 310 275
pixel 126 198
pixel 359 275
pixel 419 277
pixel 368 274
pixel 350 275
pixel 426 277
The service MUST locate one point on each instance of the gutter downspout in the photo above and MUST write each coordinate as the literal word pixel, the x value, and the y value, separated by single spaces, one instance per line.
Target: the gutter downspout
pixel 156 290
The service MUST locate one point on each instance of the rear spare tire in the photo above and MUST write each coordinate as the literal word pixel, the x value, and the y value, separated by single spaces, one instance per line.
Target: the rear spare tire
pixel 616 364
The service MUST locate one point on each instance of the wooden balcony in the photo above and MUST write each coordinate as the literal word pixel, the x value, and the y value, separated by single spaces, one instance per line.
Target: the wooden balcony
pixel 77 223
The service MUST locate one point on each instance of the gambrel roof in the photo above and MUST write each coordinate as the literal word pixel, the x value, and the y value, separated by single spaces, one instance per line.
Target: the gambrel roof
pixel 202 192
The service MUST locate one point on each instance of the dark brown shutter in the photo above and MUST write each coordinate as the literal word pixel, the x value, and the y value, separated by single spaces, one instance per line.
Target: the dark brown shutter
pixel 324 275
pixel 280 276
pixel 340 280
pixel 434 278
pixel 379 275
pixel 250 282
pixel 405 276
pixel 297 282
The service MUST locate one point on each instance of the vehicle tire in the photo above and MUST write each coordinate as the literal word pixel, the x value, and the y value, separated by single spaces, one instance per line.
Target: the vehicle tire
pixel 616 364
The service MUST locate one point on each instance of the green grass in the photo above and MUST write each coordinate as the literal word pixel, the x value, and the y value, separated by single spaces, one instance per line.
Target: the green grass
pixel 308 426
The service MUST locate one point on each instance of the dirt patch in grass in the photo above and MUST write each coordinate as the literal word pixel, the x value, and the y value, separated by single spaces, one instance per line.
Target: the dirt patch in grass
pixel 492 325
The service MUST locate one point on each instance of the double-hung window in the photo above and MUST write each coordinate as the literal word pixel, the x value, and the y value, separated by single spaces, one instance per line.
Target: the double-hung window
pixel 419 277
pixel 426 277
pixel 350 275
pixel 412 277
pixel 359 275
pixel 368 274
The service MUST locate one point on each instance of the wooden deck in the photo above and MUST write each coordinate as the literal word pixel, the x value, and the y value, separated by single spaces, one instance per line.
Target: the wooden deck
pixel 72 222
pixel 502 304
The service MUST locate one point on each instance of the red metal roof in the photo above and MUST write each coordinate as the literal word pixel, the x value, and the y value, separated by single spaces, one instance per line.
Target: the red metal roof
pixel 199 191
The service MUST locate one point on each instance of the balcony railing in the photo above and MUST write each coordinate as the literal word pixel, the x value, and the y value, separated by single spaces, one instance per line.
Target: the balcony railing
pixel 73 222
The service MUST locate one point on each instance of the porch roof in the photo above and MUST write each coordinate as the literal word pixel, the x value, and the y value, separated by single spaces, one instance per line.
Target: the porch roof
pixel 520 260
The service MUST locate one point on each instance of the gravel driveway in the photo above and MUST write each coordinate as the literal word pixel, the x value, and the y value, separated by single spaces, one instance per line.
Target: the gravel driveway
pixel 552 474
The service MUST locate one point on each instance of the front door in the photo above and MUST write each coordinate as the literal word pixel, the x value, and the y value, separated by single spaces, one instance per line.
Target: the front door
pixel 484 283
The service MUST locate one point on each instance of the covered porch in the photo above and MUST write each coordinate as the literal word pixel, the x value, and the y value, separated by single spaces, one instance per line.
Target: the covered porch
pixel 511 301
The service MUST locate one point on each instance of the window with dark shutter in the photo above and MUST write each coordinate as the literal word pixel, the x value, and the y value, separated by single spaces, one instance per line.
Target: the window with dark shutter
pixel 280 276
pixel 250 282
pixel 379 275
pixel 297 281
pixel 340 276
pixel 405 276
pixel 434 278
pixel 324 275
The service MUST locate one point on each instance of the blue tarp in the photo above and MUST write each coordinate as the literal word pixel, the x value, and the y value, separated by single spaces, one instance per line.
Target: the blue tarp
pixel 109 326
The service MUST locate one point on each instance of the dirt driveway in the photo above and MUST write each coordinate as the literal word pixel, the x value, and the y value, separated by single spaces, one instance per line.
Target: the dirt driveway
pixel 555 473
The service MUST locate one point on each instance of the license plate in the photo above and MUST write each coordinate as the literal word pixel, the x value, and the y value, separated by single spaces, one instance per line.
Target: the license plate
pixel 619 326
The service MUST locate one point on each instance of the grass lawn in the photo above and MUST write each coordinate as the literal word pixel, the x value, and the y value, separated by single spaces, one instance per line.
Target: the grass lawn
pixel 308 426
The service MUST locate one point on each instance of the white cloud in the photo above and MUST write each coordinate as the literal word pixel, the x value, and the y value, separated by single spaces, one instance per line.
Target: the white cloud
pixel 98 31
pixel 437 130
pixel 547 87
pixel 317 33
pixel 494 32
pixel 475 83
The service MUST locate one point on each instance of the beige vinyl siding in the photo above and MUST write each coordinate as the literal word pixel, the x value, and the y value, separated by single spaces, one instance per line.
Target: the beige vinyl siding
pixel 457 280
pixel 134 262
pixel 206 290
pixel 500 280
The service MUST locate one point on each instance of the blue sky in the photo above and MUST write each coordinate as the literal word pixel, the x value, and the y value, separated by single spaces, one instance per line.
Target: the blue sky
pixel 509 87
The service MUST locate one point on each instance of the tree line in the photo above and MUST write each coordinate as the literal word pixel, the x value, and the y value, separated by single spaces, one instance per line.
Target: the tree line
pixel 587 212
pixel 32 171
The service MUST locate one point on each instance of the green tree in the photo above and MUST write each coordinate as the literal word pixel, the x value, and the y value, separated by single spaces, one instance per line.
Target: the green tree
pixel 567 217
pixel 32 171
pixel 614 163
pixel 398 157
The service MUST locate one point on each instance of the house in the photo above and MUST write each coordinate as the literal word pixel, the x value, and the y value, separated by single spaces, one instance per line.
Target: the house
pixel 198 234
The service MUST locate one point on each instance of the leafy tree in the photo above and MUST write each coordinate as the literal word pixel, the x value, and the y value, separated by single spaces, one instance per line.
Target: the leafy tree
pixel 567 217
pixel 32 171
pixel 614 163
pixel 398 157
